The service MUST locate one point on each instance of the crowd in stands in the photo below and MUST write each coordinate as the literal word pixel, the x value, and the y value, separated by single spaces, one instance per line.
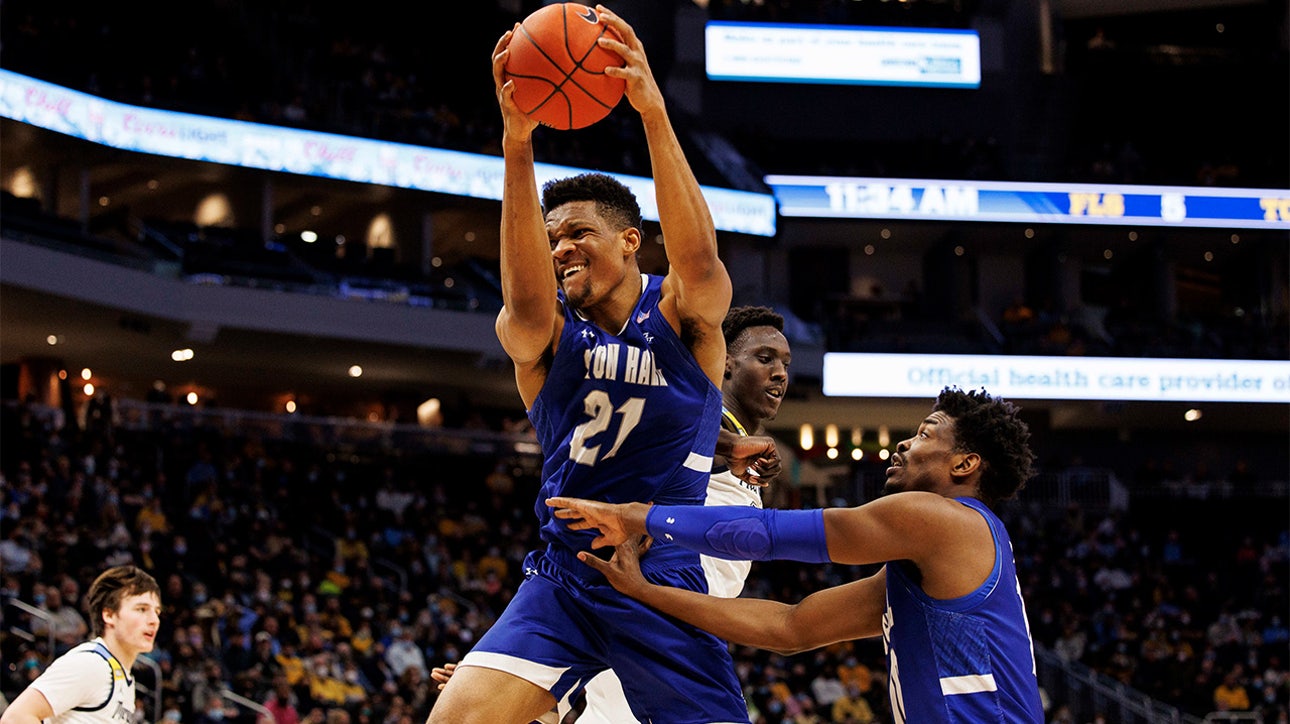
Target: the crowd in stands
pixel 323 581
pixel 1122 328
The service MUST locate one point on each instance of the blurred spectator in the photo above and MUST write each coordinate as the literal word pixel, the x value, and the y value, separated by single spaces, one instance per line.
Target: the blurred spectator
pixel 827 688
pixel 852 708
pixel 1231 695
pixel 282 703
pixel 17 554
pixel 152 519
pixel 402 653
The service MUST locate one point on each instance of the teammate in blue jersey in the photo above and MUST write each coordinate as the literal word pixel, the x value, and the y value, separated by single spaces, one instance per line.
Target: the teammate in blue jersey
pixel 620 373
pixel 947 602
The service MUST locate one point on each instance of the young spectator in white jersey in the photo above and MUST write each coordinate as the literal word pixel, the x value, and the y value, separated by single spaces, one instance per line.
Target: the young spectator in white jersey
pixel 91 683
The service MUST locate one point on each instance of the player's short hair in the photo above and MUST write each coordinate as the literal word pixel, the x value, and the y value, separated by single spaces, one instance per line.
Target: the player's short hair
pixel 113 585
pixel 740 318
pixel 989 426
pixel 613 199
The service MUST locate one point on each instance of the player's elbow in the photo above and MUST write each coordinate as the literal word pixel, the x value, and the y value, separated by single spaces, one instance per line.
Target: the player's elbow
pixel 789 636
pixel 19 713
pixel 786 650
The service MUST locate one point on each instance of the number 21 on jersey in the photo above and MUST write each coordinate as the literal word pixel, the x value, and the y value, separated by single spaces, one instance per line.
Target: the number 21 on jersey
pixel 601 410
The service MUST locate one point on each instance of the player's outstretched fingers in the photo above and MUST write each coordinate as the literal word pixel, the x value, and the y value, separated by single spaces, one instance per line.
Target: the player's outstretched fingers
pixel 442 674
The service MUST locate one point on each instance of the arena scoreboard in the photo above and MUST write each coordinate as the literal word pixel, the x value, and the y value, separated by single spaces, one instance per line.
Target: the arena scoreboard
pixel 1033 203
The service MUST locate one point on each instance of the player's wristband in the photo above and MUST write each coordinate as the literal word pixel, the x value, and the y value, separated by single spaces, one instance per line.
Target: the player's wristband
pixel 742 532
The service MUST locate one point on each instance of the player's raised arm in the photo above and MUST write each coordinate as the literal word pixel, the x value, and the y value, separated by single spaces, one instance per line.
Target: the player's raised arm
pixel 698 278
pixel 526 326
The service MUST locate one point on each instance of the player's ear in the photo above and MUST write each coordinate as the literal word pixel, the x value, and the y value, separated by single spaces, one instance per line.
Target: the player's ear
pixel 965 465
pixel 631 241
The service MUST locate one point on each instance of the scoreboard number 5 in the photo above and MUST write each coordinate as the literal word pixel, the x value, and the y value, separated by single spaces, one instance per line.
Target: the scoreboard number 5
pixel 1173 207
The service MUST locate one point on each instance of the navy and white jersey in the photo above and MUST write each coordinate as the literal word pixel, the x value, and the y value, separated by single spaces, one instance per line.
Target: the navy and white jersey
pixel 87 685
pixel 625 416
pixel 726 578
pixel 968 659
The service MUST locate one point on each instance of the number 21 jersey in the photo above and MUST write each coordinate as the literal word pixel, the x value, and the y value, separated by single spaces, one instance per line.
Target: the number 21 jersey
pixel 624 417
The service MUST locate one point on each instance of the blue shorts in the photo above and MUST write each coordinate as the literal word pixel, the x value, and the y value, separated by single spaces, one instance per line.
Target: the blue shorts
pixel 566 624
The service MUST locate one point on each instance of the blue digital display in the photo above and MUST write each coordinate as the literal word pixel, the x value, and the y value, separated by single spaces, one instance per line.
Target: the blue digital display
pixel 925 199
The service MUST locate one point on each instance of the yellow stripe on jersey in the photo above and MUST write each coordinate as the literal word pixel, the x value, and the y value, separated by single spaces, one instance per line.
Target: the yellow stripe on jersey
pixel 730 417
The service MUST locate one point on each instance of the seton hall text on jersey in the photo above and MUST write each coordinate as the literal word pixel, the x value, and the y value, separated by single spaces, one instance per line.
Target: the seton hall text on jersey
pixel 623 362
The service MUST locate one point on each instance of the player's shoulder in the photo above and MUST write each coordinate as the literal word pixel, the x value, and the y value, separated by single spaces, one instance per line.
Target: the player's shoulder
pixel 85 659
pixel 93 650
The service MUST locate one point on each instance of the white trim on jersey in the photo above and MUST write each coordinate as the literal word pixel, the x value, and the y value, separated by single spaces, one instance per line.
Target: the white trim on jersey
pixel 543 676
pixel 973 684
pixel 700 463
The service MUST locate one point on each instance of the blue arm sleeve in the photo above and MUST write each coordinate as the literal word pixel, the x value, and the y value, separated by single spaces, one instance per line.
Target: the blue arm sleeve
pixel 742 533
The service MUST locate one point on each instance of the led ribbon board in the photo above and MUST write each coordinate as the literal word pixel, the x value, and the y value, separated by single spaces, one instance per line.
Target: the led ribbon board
pixel 1032 203
pixel 289 150
pixel 849 374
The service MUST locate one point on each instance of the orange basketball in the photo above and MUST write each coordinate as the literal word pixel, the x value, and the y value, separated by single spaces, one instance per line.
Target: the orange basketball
pixel 558 69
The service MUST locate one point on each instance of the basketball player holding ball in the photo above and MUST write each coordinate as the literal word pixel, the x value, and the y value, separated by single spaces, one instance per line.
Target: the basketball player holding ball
pixel 620 372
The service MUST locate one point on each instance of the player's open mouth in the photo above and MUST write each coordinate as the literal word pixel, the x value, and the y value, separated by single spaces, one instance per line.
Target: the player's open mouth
pixel 775 393
pixel 570 271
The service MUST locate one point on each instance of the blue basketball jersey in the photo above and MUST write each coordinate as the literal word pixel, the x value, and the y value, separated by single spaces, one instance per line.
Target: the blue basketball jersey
pixel 968 659
pixel 625 416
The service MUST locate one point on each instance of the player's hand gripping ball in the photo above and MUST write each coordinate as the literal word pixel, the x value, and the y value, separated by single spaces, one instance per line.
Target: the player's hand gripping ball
pixel 559 70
